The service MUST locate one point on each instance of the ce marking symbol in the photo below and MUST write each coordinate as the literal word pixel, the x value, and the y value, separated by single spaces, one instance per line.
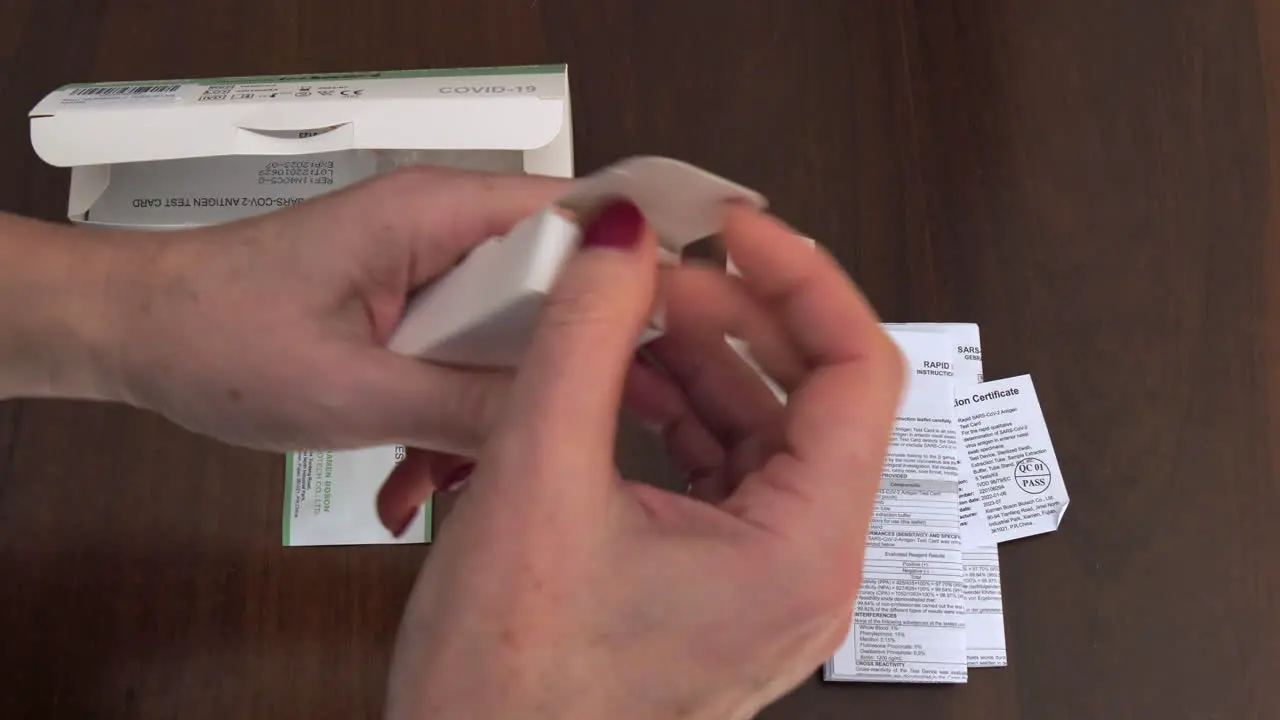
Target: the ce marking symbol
pixel 353 93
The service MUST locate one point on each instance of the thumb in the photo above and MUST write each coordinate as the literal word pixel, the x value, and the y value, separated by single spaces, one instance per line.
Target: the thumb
pixel 562 414
pixel 403 400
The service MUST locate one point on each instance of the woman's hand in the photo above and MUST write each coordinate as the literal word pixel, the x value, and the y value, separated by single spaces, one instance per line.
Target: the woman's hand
pixel 268 332
pixel 560 590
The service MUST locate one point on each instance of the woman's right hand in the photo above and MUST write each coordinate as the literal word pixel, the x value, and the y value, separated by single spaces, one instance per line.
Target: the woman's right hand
pixel 560 590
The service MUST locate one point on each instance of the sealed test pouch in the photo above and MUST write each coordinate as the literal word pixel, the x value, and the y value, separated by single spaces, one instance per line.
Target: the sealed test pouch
pixel 483 312
pixel 174 154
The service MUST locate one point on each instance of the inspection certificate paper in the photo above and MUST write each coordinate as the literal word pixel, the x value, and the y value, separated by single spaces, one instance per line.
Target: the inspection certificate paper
pixel 909 621
pixel 1018 478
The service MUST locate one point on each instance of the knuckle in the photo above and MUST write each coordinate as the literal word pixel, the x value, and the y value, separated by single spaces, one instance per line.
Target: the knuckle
pixel 414 178
pixel 450 204
pixel 473 408
pixel 450 186
pixel 474 184
pixel 410 187
pixel 454 414
pixel 342 411
pixel 577 304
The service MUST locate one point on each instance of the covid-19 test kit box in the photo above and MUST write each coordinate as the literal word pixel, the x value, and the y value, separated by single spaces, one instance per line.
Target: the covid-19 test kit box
pixel 183 153
pixel 175 154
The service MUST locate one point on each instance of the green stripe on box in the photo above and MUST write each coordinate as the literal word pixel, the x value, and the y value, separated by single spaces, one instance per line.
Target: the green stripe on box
pixel 288 496
pixel 318 77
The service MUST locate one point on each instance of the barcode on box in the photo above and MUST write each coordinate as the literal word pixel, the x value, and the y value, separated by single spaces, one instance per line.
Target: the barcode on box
pixel 125 90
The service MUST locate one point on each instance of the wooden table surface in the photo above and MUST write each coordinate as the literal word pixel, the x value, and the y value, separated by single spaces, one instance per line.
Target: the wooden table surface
pixel 1090 181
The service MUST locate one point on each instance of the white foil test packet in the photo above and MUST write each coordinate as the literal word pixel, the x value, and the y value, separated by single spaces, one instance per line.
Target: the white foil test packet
pixel 483 312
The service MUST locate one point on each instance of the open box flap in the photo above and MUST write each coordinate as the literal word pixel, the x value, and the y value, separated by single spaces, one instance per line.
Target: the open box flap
pixel 492 108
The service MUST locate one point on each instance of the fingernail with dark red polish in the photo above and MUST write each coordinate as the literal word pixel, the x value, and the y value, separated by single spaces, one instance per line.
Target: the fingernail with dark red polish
pixel 408 520
pixel 618 226
pixel 454 480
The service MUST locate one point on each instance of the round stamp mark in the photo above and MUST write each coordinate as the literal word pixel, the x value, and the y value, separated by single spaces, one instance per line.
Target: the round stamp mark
pixel 1032 475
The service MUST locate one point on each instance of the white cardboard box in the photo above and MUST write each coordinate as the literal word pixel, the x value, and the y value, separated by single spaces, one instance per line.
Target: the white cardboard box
pixel 183 153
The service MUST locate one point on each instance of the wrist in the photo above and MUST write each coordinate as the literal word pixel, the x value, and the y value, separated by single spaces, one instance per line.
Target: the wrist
pixel 65 294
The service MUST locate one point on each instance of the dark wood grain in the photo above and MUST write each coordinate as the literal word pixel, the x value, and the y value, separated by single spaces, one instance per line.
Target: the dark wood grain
pixel 1091 181
pixel 10 413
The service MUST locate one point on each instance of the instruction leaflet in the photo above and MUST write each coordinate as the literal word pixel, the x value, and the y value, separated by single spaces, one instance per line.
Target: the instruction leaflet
pixel 909 621
pixel 984 607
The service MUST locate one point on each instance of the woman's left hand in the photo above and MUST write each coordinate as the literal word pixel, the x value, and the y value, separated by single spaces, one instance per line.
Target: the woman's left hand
pixel 270 332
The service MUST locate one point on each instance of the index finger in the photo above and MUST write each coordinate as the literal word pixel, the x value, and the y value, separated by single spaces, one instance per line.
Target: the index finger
pixel 827 316
pixel 840 416
pixel 442 213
